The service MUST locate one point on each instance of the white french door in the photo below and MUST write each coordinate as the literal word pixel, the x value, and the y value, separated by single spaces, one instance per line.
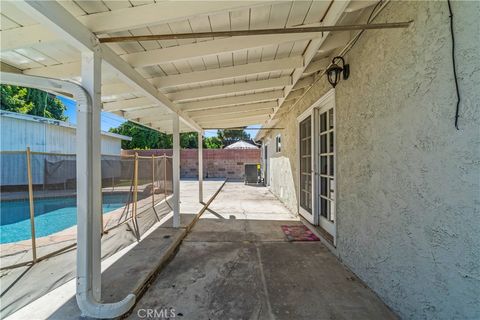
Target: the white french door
pixel 325 168
pixel 306 171
pixel 317 163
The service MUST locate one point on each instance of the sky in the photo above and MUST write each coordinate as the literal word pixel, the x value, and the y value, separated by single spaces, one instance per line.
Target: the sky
pixel 110 120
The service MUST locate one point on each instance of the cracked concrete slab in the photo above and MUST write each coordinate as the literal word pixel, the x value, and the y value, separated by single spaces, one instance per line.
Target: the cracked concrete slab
pixel 237 264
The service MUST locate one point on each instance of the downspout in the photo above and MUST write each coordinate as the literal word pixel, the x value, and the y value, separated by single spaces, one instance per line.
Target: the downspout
pixel 86 237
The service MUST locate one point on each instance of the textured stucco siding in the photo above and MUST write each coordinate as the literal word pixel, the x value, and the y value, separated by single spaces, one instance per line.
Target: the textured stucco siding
pixel 408 207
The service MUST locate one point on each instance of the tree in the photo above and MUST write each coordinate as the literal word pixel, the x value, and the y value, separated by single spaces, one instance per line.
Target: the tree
pixel 212 143
pixel 32 101
pixel 232 135
pixel 142 137
pixel 146 138
pixel 189 140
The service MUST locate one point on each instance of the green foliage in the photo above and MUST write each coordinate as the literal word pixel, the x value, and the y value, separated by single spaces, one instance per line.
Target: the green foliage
pixel 142 137
pixel 212 143
pixel 146 138
pixel 31 101
pixel 189 140
pixel 228 134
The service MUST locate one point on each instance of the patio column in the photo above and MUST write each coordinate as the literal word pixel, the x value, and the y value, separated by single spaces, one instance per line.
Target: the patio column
pixel 176 170
pixel 89 189
pixel 200 166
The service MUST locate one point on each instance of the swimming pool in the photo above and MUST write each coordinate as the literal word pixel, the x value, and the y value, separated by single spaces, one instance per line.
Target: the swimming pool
pixel 51 215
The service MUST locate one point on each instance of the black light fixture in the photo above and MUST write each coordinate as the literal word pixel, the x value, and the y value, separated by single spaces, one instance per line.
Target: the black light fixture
pixel 334 71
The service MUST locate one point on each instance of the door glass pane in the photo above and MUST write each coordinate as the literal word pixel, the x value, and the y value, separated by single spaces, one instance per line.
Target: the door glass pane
pixel 323 207
pixel 323 122
pixel 332 166
pixel 323 143
pixel 330 119
pixel 323 187
pixel 323 165
pixel 331 141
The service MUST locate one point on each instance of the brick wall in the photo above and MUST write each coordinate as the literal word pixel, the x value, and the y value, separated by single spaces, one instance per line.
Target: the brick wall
pixel 217 163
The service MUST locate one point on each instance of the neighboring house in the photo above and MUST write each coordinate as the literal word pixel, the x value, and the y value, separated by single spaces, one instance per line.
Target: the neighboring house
pixel 241 145
pixel 53 137
pixel 19 131
pixel 379 167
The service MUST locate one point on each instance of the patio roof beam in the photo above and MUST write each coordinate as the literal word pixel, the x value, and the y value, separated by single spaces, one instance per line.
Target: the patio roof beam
pixel 254 32
pixel 230 101
pixel 235 109
pixel 135 103
pixel 144 112
pixel 232 116
pixel 235 123
pixel 214 91
pixel 52 14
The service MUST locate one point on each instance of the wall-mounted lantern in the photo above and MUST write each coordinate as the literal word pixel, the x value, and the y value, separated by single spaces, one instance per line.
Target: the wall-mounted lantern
pixel 334 71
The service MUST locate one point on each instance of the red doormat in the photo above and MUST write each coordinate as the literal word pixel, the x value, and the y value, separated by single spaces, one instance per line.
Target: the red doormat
pixel 299 233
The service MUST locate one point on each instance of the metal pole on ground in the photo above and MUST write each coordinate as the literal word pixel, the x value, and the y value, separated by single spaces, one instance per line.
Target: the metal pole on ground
pixel 135 196
pixel 153 187
pixel 165 176
pixel 153 181
pixel 200 167
pixel 176 171
pixel 32 208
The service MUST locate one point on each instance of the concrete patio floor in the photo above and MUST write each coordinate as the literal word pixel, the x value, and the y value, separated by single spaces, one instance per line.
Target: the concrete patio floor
pixel 237 264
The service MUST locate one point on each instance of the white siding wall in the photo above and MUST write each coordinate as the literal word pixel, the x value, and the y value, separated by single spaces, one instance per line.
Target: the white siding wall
pixel 17 134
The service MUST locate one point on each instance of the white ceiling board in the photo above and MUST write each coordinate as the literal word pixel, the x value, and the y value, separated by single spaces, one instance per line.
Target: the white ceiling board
pixel 316 11
pixel 92 6
pixel 279 14
pixel 6 23
pixel 17 60
pixel 72 7
pixel 116 4
pixel 298 13
pixel 16 15
pixel 37 56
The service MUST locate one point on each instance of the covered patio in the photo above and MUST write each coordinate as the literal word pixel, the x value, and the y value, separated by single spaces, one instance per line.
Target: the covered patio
pixel 383 167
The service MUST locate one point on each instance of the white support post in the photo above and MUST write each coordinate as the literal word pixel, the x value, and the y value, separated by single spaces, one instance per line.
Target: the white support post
pixel 200 167
pixel 89 171
pixel 89 198
pixel 176 171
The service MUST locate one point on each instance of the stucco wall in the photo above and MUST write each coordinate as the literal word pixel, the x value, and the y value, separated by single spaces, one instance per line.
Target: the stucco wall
pixel 408 207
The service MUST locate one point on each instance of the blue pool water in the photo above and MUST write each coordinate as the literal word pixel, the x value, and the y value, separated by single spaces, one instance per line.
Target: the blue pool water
pixel 51 215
